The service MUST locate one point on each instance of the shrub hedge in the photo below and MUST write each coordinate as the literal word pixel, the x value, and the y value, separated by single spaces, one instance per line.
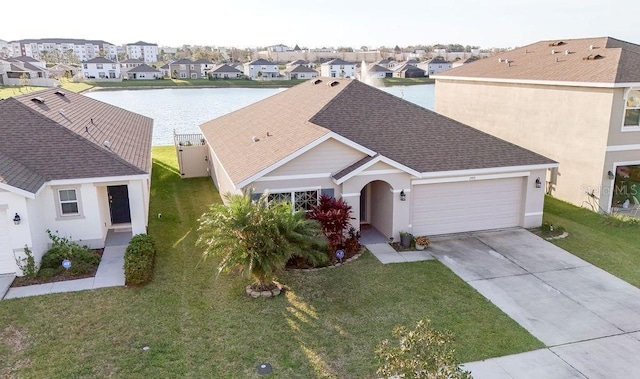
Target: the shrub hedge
pixel 139 260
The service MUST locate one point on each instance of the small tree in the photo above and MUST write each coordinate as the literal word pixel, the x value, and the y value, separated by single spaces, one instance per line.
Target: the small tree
pixel 334 216
pixel 258 237
pixel 423 352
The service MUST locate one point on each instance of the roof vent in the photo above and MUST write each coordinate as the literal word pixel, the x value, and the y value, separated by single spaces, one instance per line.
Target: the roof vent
pixel 60 93
pixel 499 60
pixel 107 144
pixel 317 81
pixel 567 52
pixel 591 47
pixel 61 111
pixel 553 51
pixel 255 139
pixel 333 84
pixel 592 57
pixel 38 100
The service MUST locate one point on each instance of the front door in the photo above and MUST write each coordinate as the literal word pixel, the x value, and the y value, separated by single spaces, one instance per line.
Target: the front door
pixel 119 204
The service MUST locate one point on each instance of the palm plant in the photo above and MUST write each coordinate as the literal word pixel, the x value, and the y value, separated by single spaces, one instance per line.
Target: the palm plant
pixel 258 237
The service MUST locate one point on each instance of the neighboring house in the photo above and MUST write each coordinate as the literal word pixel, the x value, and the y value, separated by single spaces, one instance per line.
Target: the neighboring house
pixel 5 51
pixel 100 68
pixel 300 72
pixel 412 62
pixel 81 49
pixel 62 70
pixel 409 71
pixel 302 62
pixel 205 66
pixel 400 167
pixel 145 51
pixel 185 69
pixel 576 101
pixel 461 62
pixel 18 72
pixel 375 71
pixel 165 70
pixel 72 165
pixel 435 66
pixel 388 63
pixel 130 63
pixel 224 71
pixel 338 68
pixel 144 72
pixel 261 69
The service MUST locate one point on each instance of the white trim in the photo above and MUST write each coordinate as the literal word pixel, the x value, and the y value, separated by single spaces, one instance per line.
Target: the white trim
pixel 399 190
pixel 487 171
pixel 299 152
pixel 471 178
pixel 623 147
pixel 533 214
pixel 352 194
pixel 212 166
pixel 105 179
pixel 18 191
pixel 380 172
pixel 537 82
pixel 293 177
pixel 614 168
pixel 296 189
pixel 380 158
pixel 625 97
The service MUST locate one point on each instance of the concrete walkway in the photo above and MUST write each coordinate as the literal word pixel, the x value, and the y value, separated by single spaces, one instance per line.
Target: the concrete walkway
pixel 379 246
pixel 588 318
pixel 110 272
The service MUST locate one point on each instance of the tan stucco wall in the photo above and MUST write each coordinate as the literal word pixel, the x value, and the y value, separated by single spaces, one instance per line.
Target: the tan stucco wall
pixel 616 135
pixel 567 124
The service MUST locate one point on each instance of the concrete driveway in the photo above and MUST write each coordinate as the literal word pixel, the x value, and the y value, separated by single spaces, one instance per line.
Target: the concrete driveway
pixel 588 318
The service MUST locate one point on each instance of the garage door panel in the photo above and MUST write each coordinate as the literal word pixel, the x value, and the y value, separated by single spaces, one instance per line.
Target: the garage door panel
pixel 466 206
pixel 7 260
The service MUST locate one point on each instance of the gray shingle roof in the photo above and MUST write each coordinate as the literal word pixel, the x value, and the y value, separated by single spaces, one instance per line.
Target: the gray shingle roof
pixel 74 41
pixel 64 138
pixel 144 68
pixel 378 68
pixel 300 68
pixel 141 43
pixel 338 61
pixel 260 62
pixel 225 68
pixel 99 60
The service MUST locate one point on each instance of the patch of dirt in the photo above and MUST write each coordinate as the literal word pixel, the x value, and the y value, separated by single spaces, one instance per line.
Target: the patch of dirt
pixel 22 281
pixel 17 342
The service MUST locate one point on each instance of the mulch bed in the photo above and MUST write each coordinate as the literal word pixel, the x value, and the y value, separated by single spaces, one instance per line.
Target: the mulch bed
pixel 297 263
pixel 22 281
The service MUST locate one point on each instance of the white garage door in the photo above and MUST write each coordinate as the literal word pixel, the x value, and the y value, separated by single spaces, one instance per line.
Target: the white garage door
pixel 7 261
pixel 466 206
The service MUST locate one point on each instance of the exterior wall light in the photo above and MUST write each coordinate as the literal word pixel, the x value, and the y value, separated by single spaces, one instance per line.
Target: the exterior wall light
pixel 403 196
pixel 611 175
pixel 16 219
pixel 538 183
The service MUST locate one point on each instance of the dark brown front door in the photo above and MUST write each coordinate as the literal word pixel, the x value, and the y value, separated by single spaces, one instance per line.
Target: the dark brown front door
pixel 119 204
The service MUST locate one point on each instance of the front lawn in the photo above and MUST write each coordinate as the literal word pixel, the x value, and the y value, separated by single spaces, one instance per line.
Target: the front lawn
pixel 602 240
pixel 201 325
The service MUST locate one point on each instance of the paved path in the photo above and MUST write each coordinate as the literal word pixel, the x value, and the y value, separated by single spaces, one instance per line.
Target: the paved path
pixel 110 272
pixel 588 318
pixel 387 254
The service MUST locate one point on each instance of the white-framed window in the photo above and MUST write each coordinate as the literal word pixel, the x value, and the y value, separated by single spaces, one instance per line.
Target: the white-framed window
pixel 99 66
pixel 183 75
pixel 68 202
pixel 301 200
pixel 632 109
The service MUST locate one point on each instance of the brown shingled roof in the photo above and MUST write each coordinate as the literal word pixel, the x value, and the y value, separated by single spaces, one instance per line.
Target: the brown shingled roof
pixel 64 137
pixel 385 124
pixel 620 63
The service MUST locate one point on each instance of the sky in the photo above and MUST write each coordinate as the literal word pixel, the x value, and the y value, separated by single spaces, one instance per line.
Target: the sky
pixel 351 23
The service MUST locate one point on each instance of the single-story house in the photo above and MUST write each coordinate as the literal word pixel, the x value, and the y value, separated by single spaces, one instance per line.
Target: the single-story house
pixel 400 166
pixel 144 72
pixel 224 71
pixel 300 72
pixel 71 164
pixel 375 71
pixel 409 71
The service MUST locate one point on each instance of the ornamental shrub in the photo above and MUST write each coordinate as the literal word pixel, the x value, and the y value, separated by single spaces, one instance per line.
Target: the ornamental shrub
pixel 139 259
pixel 83 259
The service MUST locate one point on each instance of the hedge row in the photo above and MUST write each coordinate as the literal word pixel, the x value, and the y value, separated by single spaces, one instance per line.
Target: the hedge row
pixel 139 260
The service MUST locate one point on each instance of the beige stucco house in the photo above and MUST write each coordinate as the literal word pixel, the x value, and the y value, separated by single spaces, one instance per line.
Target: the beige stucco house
pixel 400 166
pixel 576 101
pixel 71 164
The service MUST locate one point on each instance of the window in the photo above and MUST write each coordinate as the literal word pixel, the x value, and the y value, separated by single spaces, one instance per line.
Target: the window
pixel 301 200
pixel 183 67
pixel 68 202
pixel 183 75
pixel 102 75
pixel 85 66
pixel 99 66
pixel 632 109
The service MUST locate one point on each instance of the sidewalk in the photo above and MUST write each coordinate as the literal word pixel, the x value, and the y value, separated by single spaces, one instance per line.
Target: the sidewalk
pixel 110 271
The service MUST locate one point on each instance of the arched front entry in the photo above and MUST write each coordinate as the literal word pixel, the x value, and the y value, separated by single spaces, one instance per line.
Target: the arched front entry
pixel 376 207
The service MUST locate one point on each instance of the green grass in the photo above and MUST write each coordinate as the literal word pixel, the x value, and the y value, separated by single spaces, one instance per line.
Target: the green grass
pixel 406 81
pixel 201 325
pixel 222 83
pixel 602 240
pixel 11 91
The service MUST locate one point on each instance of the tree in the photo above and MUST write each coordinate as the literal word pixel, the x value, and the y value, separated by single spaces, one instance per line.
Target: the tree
pixel 258 237
pixel 423 352
pixel 335 218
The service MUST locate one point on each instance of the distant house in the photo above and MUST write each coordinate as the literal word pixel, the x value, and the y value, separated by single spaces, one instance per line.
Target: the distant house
pixel 224 71
pixel 205 66
pixel 461 62
pixel 302 62
pixel 412 61
pixel 166 72
pixel 185 69
pixel 17 72
pixel 148 52
pixel 62 70
pixel 375 71
pixel 261 69
pixel 100 68
pixel 144 72
pixel 435 66
pixel 130 63
pixel 409 71
pixel 388 63
pixel 338 68
pixel 300 72
pixel 70 164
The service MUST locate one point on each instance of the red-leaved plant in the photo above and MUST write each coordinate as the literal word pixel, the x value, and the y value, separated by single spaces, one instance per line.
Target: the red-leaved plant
pixel 334 216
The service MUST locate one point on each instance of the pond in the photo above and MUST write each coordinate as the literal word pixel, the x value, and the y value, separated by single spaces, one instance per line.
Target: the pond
pixel 184 110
